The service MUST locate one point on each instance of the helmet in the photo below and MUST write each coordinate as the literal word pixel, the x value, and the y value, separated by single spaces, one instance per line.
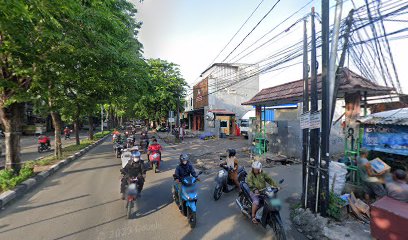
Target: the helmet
pixel 257 165
pixel 231 152
pixel 184 157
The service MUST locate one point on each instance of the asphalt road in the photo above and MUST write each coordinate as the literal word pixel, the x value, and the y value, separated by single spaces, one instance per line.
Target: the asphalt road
pixel 29 147
pixel 83 202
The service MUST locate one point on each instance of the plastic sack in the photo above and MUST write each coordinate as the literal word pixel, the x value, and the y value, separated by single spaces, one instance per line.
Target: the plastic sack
pixel 337 173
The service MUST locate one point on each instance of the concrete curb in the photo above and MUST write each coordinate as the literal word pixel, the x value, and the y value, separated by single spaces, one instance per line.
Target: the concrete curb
pixel 21 189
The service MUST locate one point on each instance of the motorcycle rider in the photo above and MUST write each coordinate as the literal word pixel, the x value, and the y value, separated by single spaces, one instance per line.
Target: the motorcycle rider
pixel 144 140
pixel 183 170
pixel 133 169
pixel 44 139
pixel 154 147
pixel 232 163
pixel 67 132
pixel 257 181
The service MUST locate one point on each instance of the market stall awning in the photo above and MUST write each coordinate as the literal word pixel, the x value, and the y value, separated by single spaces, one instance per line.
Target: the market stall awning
pixel 386 131
pixel 392 117
pixel 292 92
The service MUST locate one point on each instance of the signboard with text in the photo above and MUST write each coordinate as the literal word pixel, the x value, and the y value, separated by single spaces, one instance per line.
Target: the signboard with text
pixel 310 120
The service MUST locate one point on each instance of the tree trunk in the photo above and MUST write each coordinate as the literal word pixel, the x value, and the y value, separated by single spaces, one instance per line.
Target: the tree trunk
pixel 56 121
pixel 91 128
pixel 76 129
pixel 11 118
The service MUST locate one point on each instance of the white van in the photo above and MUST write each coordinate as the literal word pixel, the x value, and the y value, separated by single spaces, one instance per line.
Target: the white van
pixel 244 123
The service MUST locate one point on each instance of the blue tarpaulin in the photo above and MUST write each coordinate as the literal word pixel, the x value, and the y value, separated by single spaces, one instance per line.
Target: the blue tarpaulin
pixel 386 138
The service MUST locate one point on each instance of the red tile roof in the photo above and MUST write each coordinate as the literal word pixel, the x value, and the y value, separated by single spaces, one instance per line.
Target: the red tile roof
pixel 293 92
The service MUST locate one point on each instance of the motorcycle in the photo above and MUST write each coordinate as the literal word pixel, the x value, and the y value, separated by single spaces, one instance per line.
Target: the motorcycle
pixel 118 148
pixel 188 202
pixel 43 147
pixel 144 144
pixel 131 196
pixel 154 158
pixel 224 183
pixel 129 142
pixel 67 136
pixel 268 212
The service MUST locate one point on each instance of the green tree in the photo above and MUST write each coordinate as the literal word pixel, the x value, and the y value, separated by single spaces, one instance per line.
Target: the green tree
pixel 165 91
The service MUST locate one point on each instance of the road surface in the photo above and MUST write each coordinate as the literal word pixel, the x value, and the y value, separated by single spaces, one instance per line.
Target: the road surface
pixel 83 202
pixel 29 147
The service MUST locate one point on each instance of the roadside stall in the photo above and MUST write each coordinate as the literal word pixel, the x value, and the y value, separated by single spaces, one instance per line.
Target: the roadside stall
pixel 386 135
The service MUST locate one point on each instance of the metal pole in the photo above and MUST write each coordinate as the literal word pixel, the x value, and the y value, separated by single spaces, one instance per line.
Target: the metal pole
pixel 339 71
pixel 305 135
pixel 333 56
pixel 314 133
pixel 325 151
pixel 101 118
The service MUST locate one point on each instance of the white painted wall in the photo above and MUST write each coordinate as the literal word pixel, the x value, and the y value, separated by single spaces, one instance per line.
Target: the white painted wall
pixel 229 86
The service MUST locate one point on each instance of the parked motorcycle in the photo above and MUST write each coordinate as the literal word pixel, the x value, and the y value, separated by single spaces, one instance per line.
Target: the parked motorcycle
pixel 224 184
pixel 268 212
pixel 188 202
pixel 154 158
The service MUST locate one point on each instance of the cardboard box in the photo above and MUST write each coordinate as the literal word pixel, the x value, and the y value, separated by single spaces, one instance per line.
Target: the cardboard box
pixel 379 166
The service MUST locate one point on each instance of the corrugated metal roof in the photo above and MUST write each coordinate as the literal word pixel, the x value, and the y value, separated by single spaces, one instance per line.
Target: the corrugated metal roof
pixel 392 117
pixel 293 92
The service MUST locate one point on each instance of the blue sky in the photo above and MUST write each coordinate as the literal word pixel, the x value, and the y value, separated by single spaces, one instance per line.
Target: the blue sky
pixel 192 32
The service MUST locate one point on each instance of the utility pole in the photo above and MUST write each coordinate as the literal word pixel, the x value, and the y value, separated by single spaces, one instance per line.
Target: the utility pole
pixel 314 133
pixel 325 119
pixel 305 135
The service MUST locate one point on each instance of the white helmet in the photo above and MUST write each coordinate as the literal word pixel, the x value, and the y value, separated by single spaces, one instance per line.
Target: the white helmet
pixel 257 165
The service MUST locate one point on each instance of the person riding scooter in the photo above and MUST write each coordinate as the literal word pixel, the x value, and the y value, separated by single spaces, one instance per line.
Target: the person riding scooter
pixel 231 163
pixel 67 132
pixel 184 169
pixel 153 148
pixel 133 169
pixel 44 140
pixel 257 181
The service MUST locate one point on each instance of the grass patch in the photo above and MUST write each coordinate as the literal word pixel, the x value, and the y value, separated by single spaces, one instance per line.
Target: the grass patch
pixel 9 180
pixel 100 135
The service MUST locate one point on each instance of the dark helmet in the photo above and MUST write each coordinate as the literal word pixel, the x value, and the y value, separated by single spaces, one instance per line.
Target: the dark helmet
pixel 231 152
pixel 184 157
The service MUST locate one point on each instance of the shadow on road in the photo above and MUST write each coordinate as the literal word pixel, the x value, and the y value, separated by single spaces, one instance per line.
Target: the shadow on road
pixel 60 215
pixel 21 209
pixel 89 169
pixel 89 228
